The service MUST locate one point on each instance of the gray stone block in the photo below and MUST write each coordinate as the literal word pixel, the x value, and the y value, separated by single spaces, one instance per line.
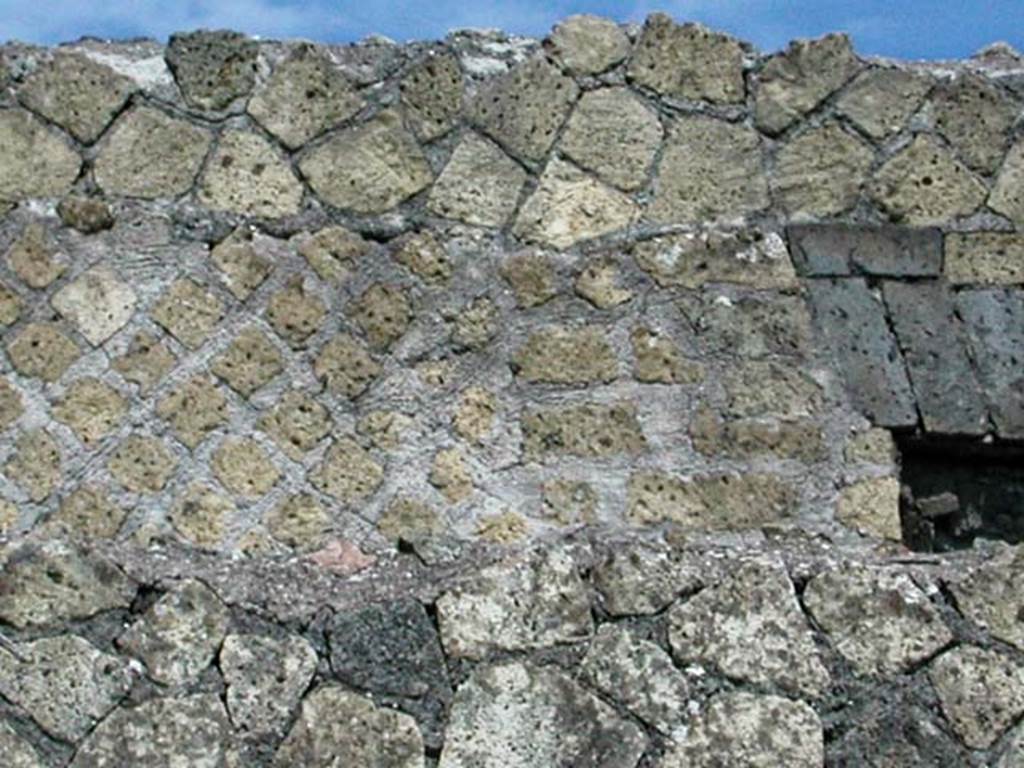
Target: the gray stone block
pixel 820 250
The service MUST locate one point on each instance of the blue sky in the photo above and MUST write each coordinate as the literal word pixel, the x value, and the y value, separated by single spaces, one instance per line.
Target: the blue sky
pixel 926 29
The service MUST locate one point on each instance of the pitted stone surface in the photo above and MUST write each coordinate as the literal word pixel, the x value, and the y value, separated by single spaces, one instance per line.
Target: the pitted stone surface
pixel 332 252
pixel 212 67
pixel 881 101
pixel 296 423
pixel 692 260
pixel 189 311
pixel 872 507
pixel 599 283
pixel 984 258
pixel 658 360
pixel 88 514
pixel 990 595
pixel 243 467
pixel 643 579
pixel 348 472
pixel 249 362
pixel 201 515
pixel 820 173
pixel 16 751
pixel 92 408
pixel 532 278
pixel 11 404
pixel 43 351
pixel 296 312
pixel 975 117
pixel 246 175
pixel 35 464
pixel 480 185
pixel 88 215
pixel 10 306
pixel 299 522
pixel 98 302
pixel 587 45
pixel 563 355
pixel 242 264
pixel 425 256
pixel 1006 197
pixel 35 161
pixel 33 257
pixel 194 408
pixel 589 430
pixel 749 327
pixel 142 464
pixel 146 362
pixel 383 313
pixel 432 94
pixel 345 366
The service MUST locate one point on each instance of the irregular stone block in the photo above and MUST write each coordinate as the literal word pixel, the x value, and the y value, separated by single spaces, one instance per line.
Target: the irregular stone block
pixel 383 313
pixel 524 108
pixel 820 250
pixel 480 185
pixel 410 520
pixel 749 327
pixel 425 256
pixel 146 361
pixel 194 408
pixel 33 258
pixel 188 311
pixel 241 263
pixel 370 168
pixel 873 446
pixel 1006 197
pixel 43 351
pixel 248 176
pixel 503 528
pixel 881 101
pixel 384 429
pixel 11 405
pixel 346 367
pixel 34 464
pixel 249 362
pixel 432 94
pixel 639 578
pixel 142 464
pixel 212 67
pixel 599 283
pixel 475 325
pixel 709 170
pixel 693 260
pixel 518 716
pixel 794 82
pixel 295 312
pixel 851 320
pixel 590 430
pixel 975 117
pixel 767 388
pixel 688 61
pixel 332 252
pixel 297 423
pixel 92 408
pixel 568 502
pixel 348 472
pixel 450 475
pixel 10 306
pixel 299 522
pixel 879 620
pixel 98 302
pixel 34 162
pixel 992 596
pixel 587 45
pixel 16 751
pixel 872 507
pixel 88 514
pixel 474 417
pixel 985 258
pixel 566 355
pixel 532 277
pixel 243 467
pixel 799 439
pixel 202 515
pixel 88 215
pixel 933 344
pixel 658 360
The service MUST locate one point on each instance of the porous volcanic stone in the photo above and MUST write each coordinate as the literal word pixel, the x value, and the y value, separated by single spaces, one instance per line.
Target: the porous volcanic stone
pixel 588 430
pixel 991 595
pixel 586 45
pixel 87 513
pixel 34 162
pixel 201 515
pixel 820 250
pixel 194 408
pixel 98 302
pixel 820 173
pixel 346 367
pixel 34 464
pixel 11 405
pixel 212 67
pixel 475 415
pixel 43 351
pixel 332 252
pixel 142 464
pixel 249 362
pixel 480 185
pixel 425 256
pixel 566 355
pixel 599 283
pixel 532 277
pixel 296 423
pixel 241 262
pixel 33 258
pixel 641 578
pixel 88 215
pixel 296 312
pixel 92 408
pixel 658 360
pixel 881 101
pixel 348 472
pixel 450 475
pixel 693 260
pixel 247 175
pixel 17 751
pixel 188 311
pixel 749 327
pixel 299 522
pixel 243 467
pixel 1006 197
pixel 872 507
pixel 432 94
pixel 383 313
pixel 146 361
pixel 975 116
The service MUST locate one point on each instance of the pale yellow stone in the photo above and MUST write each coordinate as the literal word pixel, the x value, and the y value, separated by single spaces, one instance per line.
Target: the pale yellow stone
pixel 243 467
pixel 872 507
pixel 451 476
pixel 248 176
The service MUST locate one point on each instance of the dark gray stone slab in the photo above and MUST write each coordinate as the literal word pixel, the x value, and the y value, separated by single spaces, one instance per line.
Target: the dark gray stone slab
pixel 851 319
pixel 820 250
pixel 994 319
pixel 933 344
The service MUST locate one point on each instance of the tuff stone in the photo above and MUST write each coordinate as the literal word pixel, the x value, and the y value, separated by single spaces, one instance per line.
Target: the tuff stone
pixel 150 155
pixel 873 446
pixel 240 262
pixel 333 251
pixel 249 362
pixel 587 45
pixel 450 475
pixel 243 467
pixel 794 82
pixel 201 515
pixel 881 101
pixel 975 117
pixel 265 678
pixel 17 751
pixel 820 173
pixel 98 302
pixel 33 258
pixel 35 464
pixel 615 135
pixel 568 502
pixel 800 439
pixel 178 637
pixel 480 185
pixel 872 507
pixel 92 408
pixel 10 306
pixel 246 175
pixel 88 215
pixel 188 311
pixel 599 283
pixel 384 739
pixel 749 327
pixel 299 522
pixel 524 108
pixel 750 626
pixel 1006 197
pixel 566 355
pixel 384 429
pixel 642 579
pixel 11 405
pixel 65 684
pixel 658 360
pixel 304 96
pixel 142 464
pixel 768 388
pixel 532 600
pixel 212 67
pixel 688 61
pixel 146 361
pixel 383 313
pixel 346 367
pixel 532 277
pixel 425 256
pixel 693 260
pixel 990 596
pixel 36 162
pixel 296 313
pixel 194 408
pixel 296 424
pixel 43 351
pixel 569 206
pixel 924 184
pixel 589 430
pixel 709 170
pixel 475 325
pixel 986 258
pixel 475 415
pixel 87 513
pixel 746 729
pixel 410 520
pixel 517 715
pixel 504 528
pixel 981 692
pixel 879 620
pixel 348 472
pixel 821 250
pixel 432 94
pixel 370 168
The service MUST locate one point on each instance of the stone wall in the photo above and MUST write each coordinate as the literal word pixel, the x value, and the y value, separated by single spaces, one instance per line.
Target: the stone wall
pixel 530 403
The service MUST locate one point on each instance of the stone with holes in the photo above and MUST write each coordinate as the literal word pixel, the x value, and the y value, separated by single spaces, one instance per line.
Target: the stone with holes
pixel 98 302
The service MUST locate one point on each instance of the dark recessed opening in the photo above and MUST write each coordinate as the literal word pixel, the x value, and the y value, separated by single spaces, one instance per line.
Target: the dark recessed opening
pixel 956 490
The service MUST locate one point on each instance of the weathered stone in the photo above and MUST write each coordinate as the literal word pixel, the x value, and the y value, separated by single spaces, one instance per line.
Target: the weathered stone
pixel 98 302
pixel 305 95
pixel 794 82
pixel 432 94
pixel 532 600
pixel 1006 197
pixel 991 596
pixel 658 360
pixel 820 250
pixel 820 173
pixel 243 467
pixel 924 184
pixel 348 472
pixel 265 679
pixel 299 522
pixel 384 429
pixel 881 101
pixel 188 311
pixel 410 520
pixel 987 258
pixel 1013 756
pixel 524 108
pixel 42 350
pixel 688 61
pixel 295 312
pixel 178 637
pixel 503 528
pixel 975 117
pixel 11 405
pixel 425 256
pixel 64 683
pixel 749 327
pixel 450 475
pixel 872 446
pixel 33 258
pixel 17 751
pixel 146 361
pixel 36 162
pixel 296 423
pixel 243 266
pixel 88 215
pixel 149 154
pixel 757 731
pixel 333 252
pixel 709 502
pixel 532 277
pixel 160 733
pixel 517 715
pixel 981 692
pixel 249 362
pixel 194 408
pixel 35 464
pixel 710 170
pixel 872 507
pixel 474 417
pixel 212 67
pixel 692 260
pixel 566 355
pixel 589 430
pixel 383 313
pixel 569 206
pixel 598 283
pixel 247 176
pixel 587 45
pixel 201 515
pixel 767 388
pixel 50 583
pixel 879 620
pixel 934 347
pixel 475 324
pixel 92 408
pixel 800 439
pixel 615 135
pixel 851 319
pixel 87 513
pixel 10 305
pixel 480 184
pixel 323 734
pixel 142 464
pixel 346 367
pixel 640 578
pixel 370 168
pixel 568 502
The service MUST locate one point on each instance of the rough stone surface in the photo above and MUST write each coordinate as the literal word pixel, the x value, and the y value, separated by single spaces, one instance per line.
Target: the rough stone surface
pixel 532 278
pixel 36 162
pixel 249 362
pixel 98 302
pixel 10 306
pixel 881 101
pixel 296 423
pixel 820 173
pixel 42 350
pixel 243 467
pixel 480 184
pixel 657 360
pixel 383 313
pixel 241 262
pixel 587 45
pixel 589 430
pixel 984 258
pixel 749 327
pixel 990 596
pixel 349 472
pixel 643 579
pixel 562 355
pixel 202 515
pixel 432 94
pixel 194 408
pixel 599 284
pixel 33 258
pixel 299 522
pixel 821 250
pixel 92 408
pixel 1006 197
pixel 872 507
pixel 332 252
pixel 246 175
pixel 11 404
pixel 88 215
pixel 692 260
pixel 974 116
pixel 212 67
pixel 345 366
pixel 88 514
pixel 296 312
pixel 142 464
pixel 146 362
pixel 35 464
pixel 450 475
pixel 16 751
pixel 425 256
pixel 189 311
